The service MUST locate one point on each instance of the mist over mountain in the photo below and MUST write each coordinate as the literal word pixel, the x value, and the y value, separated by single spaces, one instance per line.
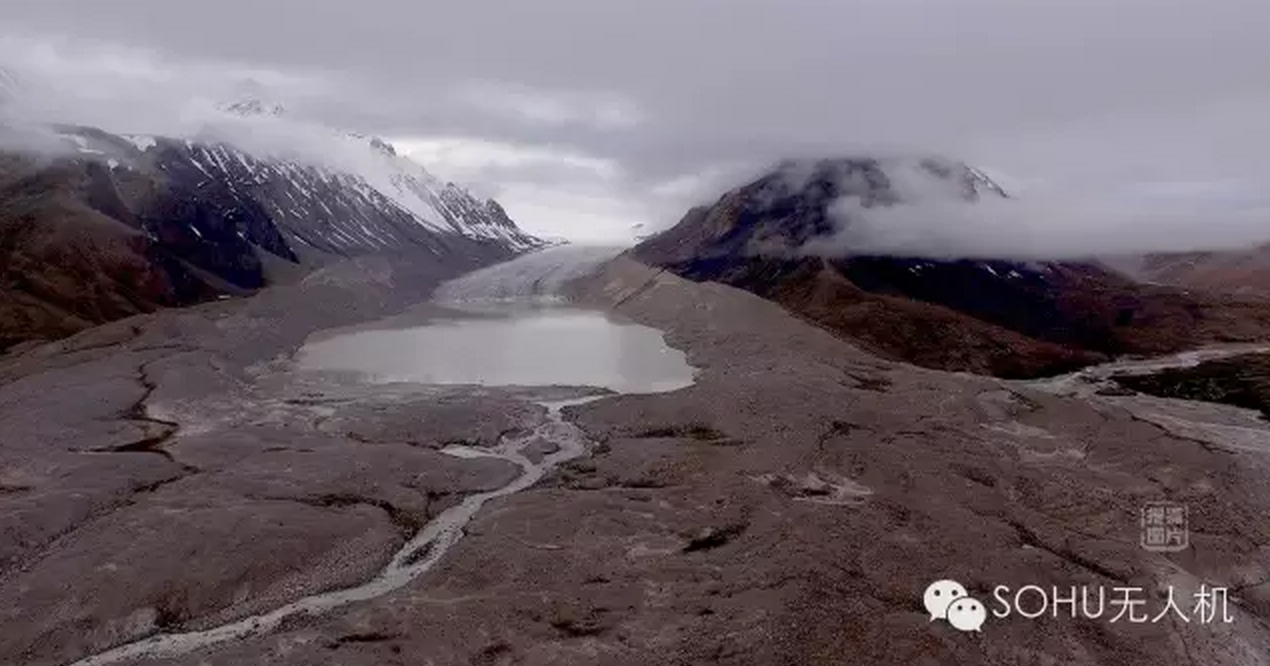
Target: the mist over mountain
pixel 943 209
pixel 9 85
pixel 97 225
pixel 894 253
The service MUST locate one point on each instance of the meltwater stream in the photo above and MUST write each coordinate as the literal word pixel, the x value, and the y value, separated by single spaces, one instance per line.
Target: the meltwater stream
pixel 527 340
pixel 417 556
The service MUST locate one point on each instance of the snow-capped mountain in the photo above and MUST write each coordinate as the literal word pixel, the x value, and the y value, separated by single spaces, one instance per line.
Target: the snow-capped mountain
pixel 382 203
pixel 333 191
pixel 783 237
pixel 802 203
pixel 107 225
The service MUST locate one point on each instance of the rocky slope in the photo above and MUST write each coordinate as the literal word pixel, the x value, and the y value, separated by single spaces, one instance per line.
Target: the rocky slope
pixel 781 237
pixel 99 226
pixel 1245 272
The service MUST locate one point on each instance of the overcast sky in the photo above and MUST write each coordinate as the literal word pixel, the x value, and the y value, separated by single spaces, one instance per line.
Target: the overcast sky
pixel 586 117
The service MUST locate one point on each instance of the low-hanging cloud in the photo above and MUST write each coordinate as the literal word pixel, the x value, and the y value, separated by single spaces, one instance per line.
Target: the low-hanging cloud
pixel 671 91
pixel 550 189
pixel 943 209
pixel 31 139
pixel 122 88
pixel 49 84
pixel 1042 228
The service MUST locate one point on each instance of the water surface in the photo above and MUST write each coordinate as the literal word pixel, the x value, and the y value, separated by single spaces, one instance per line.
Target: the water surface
pixel 541 346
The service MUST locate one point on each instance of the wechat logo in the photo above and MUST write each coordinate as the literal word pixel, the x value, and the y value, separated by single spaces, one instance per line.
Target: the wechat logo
pixel 948 600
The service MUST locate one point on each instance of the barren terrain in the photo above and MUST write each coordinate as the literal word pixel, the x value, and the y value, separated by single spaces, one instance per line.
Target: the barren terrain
pixel 176 473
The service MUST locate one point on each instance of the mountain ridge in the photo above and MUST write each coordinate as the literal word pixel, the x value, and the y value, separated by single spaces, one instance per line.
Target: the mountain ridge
pixel 168 221
pixel 780 236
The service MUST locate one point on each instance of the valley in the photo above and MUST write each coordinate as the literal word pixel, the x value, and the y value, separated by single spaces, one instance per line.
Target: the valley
pixel 234 507
pixel 671 333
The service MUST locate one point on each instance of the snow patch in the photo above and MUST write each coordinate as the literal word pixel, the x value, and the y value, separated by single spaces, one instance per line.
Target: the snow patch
pixel 141 141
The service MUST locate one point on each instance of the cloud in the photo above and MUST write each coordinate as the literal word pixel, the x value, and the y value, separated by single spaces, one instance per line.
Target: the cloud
pixel 467 157
pixel 126 89
pixel 1041 229
pixel 934 219
pixel 551 108
pixel 551 191
pixel 1083 96
pixel 21 137
pixel 582 216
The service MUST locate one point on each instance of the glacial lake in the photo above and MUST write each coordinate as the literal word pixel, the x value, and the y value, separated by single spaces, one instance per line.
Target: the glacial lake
pixel 540 346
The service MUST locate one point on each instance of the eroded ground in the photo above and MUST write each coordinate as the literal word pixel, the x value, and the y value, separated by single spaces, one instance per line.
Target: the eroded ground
pixel 790 507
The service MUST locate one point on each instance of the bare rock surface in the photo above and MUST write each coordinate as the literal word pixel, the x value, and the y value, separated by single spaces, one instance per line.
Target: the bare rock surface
pixel 173 471
pixel 788 508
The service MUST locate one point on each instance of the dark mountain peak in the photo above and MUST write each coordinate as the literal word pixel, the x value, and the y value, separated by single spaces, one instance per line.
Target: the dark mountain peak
pixel 375 143
pixel 382 146
pixel 253 107
pixel 803 200
pixel 878 180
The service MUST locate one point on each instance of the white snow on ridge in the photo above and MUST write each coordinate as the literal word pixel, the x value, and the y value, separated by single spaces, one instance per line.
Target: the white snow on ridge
pixel 981 178
pixel 81 144
pixel 328 174
pixel 402 181
pixel 141 141
pixel 411 187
